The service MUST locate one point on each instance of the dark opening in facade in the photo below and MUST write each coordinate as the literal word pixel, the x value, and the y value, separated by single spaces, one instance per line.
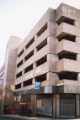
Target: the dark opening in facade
pixel 67 37
pixel 30 43
pixel 29 68
pixel 41 61
pixel 19 74
pixel 41 45
pixel 18 86
pixel 68 105
pixel 29 55
pixel 68 75
pixel 66 20
pixel 68 55
pixel 43 29
pixel 27 82
pixel 21 52
pixel 20 63
pixel 41 78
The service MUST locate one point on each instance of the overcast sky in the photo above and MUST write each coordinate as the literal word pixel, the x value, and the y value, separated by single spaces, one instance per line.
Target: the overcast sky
pixel 17 17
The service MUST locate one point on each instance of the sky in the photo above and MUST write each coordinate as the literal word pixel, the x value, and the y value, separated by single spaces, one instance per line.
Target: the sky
pixel 17 18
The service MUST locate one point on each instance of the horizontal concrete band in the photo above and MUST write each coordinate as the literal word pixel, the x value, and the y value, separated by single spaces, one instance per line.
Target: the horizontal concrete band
pixel 49 90
pixel 45 90
pixel 42 90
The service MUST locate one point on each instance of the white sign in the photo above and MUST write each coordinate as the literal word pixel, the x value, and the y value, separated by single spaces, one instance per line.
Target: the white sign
pixel 37 84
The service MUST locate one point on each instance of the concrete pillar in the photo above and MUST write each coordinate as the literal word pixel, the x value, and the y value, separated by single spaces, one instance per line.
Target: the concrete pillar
pixel 33 104
pixel 78 39
pixel 78 77
pixel 34 64
pixel 77 23
pixel 54 106
pixel 78 59
pixel 77 105
pixel 35 45
pixel 57 106
pixel 33 97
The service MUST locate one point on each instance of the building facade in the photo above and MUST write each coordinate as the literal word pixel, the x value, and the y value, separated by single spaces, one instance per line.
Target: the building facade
pixel 1 88
pixel 48 64
pixel 8 73
pixel 10 60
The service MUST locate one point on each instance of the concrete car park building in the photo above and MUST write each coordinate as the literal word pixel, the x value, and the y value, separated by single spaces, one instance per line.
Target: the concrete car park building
pixel 48 64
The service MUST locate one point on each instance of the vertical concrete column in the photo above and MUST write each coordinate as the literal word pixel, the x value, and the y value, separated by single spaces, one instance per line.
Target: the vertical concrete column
pixel 34 97
pixel 77 23
pixel 77 106
pixel 78 42
pixel 22 77
pixel 78 55
pixel 78 39
pixel 34 64
pixel 35 44
pixel 79 77
pixel 33 82
pixel 52 78
pixel 78 59
pixel 22 67
pixel 57 105
pixel 54 106
pixel 34 103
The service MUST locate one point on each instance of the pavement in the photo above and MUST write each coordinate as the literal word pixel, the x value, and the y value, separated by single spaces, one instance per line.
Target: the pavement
pixel 32 118
pixel 25 117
